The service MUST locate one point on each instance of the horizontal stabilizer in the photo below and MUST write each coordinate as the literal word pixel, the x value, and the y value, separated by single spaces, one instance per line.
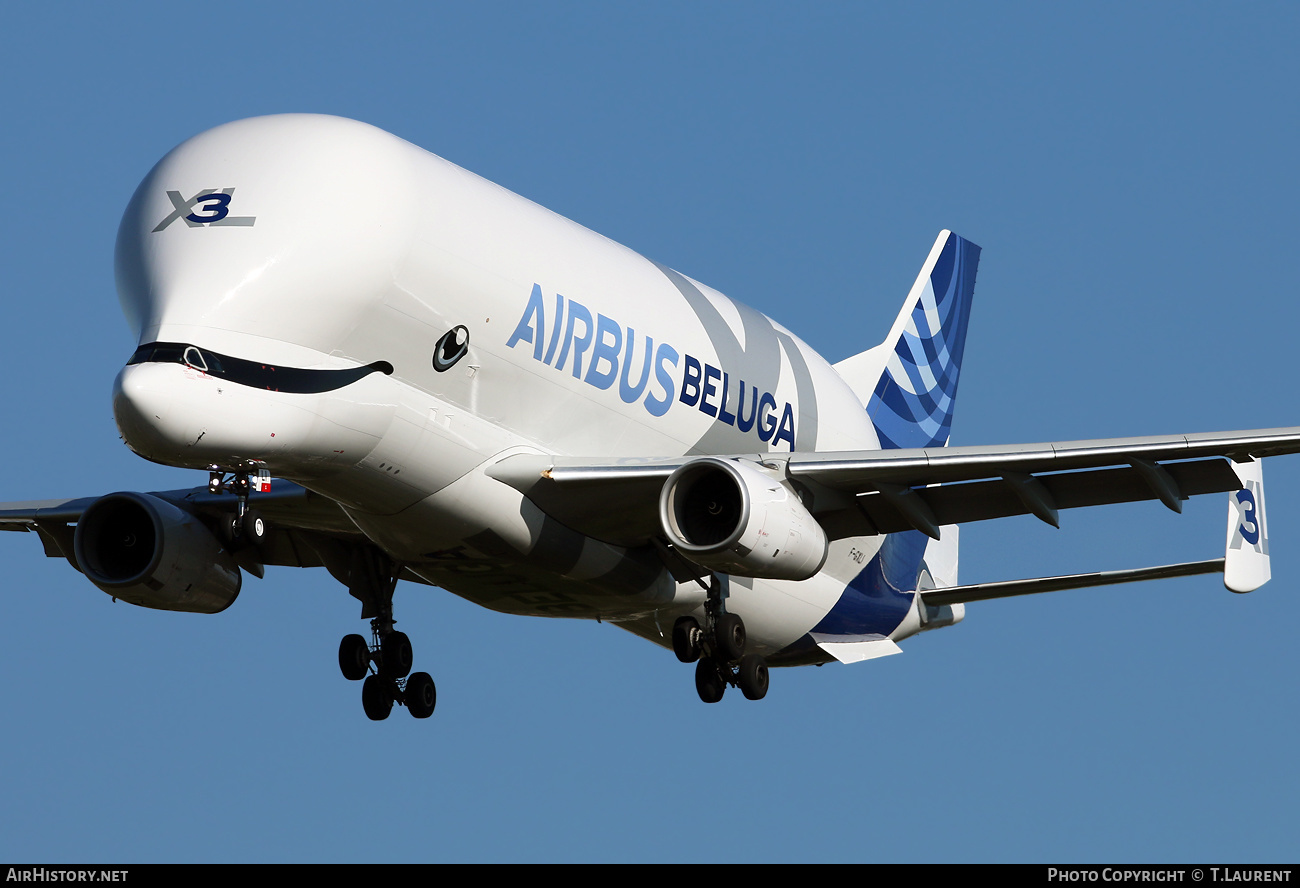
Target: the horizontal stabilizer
pixel 1009 588
pixel 851 649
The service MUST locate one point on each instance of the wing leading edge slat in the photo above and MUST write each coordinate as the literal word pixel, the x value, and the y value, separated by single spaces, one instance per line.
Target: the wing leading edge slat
pixel 301 521
pixel 878 491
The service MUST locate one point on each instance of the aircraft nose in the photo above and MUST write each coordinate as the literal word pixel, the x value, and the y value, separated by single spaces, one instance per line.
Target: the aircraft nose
pixel 144 407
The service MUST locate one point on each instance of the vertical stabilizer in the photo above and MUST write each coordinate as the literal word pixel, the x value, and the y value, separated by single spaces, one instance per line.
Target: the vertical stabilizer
pixel 1246 564
pixel 908 383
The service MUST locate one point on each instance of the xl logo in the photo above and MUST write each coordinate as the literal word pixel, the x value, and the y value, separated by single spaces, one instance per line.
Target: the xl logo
pixel 209 207
pixel 1249 503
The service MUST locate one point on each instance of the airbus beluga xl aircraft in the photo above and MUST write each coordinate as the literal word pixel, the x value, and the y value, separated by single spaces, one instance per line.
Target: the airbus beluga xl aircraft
pixel 459 388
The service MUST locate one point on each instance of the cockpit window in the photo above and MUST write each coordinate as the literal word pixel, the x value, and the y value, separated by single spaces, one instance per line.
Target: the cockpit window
pixel 272 377
pixel 194 358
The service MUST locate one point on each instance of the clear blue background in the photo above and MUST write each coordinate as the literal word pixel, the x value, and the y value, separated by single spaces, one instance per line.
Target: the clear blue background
pixel 1129 169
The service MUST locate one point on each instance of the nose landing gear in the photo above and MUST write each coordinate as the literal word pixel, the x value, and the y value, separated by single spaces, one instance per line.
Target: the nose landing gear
pixel 247 525
pixel 719 652
pixel 383 664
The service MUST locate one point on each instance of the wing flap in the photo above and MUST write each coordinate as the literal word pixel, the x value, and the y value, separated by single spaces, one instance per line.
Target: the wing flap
pixel 982 500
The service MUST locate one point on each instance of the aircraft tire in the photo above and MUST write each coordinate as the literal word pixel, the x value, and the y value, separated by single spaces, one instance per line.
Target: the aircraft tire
pixel 376 699
pixel 354 657
pixel 253 529
pixel 708 680
pixel 753 678
pixel 397 655
pixel 729 633
pixel 421 695
pixel 686 639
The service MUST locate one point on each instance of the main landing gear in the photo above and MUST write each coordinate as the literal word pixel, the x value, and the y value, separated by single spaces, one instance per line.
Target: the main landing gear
pixel 392 680
pixel 383 665
pixel 719 651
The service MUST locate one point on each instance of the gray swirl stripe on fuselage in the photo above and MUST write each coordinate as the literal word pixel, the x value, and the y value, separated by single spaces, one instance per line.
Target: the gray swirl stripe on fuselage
pixel 758 362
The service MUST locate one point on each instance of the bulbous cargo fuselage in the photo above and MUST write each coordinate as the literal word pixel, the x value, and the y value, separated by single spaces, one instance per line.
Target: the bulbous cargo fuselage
pixel 314 242
pixel 376 323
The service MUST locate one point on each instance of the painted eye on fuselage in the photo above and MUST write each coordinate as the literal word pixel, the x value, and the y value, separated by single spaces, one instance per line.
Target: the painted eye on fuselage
pixel 451 347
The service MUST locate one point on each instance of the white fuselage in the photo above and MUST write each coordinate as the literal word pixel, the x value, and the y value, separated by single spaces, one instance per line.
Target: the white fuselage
pixel 334 244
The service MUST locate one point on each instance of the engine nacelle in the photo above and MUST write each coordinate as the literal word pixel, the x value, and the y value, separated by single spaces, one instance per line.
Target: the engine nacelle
pixel 728 517
pixel 149 552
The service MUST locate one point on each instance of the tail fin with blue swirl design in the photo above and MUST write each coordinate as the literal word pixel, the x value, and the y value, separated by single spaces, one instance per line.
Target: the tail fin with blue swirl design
pixel 1246 564
pixel 908 383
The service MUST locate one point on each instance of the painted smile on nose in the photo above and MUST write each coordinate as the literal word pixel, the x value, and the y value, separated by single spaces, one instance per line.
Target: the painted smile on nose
pixel 254 374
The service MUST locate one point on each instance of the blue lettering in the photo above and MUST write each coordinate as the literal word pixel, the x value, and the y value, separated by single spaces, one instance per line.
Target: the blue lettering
pixel 525 332
pixel 1247 500
pixel 691 381
pixel 577 312
pixel 728 418
pixel 709 388
pixel 604 350
pixel 215 213
pixel 629 393
pixel 659 406
pixel 786 431
pixel 612 350
pixel 555 329
pixel 741 423
pixel 766 421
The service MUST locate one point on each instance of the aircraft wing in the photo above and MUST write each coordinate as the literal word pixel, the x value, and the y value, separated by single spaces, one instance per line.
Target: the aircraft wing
pixel 307 530
pixel 856 493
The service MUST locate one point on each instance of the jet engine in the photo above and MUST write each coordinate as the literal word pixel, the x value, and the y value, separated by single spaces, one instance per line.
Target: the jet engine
pixel 729 517
pixel 149 552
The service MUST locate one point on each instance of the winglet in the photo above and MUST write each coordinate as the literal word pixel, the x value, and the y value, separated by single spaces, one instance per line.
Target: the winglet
pixel 1246 565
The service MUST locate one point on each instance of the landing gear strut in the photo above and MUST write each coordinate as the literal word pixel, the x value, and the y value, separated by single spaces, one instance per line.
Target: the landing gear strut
pixel 385 661
pixel 719 651
pixel 247 525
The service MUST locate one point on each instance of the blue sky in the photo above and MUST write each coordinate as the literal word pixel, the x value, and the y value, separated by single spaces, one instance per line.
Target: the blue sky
pixel 1129 171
